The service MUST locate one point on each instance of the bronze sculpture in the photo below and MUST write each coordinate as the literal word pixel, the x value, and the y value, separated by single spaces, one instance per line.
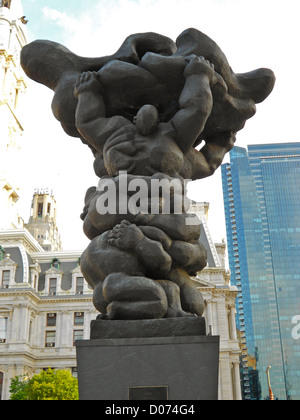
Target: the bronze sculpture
pixel 143 111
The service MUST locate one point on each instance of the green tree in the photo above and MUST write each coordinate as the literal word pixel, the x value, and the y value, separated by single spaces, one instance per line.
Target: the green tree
pixel 47 385
pixel 18 388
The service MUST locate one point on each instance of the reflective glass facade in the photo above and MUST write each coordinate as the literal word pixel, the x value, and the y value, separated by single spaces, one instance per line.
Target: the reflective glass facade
pixel 261 189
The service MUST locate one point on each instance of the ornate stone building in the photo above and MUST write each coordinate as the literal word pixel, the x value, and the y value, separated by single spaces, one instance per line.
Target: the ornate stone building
pixel 220 310
pixel 45 305
pixel 12 86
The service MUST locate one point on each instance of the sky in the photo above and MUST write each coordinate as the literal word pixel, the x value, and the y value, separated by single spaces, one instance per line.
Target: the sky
pixel 252 34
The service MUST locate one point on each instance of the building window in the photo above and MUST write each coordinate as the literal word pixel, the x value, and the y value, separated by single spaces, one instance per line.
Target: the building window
pixel 53 280
pixel 79 285
pixel 77 336
pixel 3 329
pixel 50 339
pixel 49 208
pixel 5 3
pixel 5 279
pixel 52 286
pixel 40 210
pixel 51 320
pixel 78 318
pixel 35 282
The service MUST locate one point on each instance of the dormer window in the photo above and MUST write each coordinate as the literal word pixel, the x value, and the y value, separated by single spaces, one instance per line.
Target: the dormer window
pixel 52 286
pixel 35 270
pixel 53 281
pixel 7 272
pixel 79 285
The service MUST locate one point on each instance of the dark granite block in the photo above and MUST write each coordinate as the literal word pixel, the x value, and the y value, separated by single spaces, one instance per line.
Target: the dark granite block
pixel 186 365
pixel 168 327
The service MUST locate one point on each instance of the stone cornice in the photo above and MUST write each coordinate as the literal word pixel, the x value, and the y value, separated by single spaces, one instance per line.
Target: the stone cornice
pixel 20 237
pixel 207 271
pixel 231 291
pixel 43 299
pixel 45 257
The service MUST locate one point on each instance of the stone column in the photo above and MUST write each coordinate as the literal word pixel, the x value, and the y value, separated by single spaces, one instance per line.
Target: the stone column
pixel 237 381
pixel 209 318
pixel 238 391
pixel 233 323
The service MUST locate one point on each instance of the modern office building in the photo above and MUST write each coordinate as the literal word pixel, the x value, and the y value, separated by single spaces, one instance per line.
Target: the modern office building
pixel 261 189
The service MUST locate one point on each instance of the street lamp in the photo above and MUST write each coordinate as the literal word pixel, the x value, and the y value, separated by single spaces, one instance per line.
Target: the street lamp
pixel 269 383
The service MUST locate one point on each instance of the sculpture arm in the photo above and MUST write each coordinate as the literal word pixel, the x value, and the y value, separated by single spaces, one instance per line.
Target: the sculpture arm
pixel 196 101
pixel 90 117
pixel 154 257
pixel 205 161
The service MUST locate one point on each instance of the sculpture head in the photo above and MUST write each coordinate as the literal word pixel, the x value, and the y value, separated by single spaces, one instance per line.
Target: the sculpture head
pixel 147 120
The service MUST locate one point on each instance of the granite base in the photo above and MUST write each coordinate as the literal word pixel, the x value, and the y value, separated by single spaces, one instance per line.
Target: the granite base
pixel 182 367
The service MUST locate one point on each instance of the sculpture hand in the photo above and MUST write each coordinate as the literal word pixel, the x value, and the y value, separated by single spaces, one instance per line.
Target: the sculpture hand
pixel 225 140
pixel 126 236
pixel 198 65
pixel 87 81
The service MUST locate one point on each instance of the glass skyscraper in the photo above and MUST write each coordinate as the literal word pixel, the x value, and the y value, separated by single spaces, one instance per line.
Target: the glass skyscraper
pixel 261 190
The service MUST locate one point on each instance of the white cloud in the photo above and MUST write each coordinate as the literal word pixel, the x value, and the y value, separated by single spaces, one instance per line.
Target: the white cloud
pixel 61 19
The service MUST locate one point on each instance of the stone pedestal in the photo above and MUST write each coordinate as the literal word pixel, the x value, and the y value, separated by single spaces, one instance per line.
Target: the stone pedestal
pixel 142 366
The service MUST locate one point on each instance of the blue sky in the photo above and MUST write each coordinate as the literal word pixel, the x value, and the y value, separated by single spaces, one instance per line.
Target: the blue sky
pixel 40 26
pixel 252 34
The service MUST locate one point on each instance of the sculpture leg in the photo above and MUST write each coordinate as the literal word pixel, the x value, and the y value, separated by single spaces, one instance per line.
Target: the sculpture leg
pixel 190 297
pixel 130 297
pixel 173 293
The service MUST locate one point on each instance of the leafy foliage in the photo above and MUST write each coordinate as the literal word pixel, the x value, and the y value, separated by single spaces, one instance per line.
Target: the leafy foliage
pixel 47 385
pixel 18 388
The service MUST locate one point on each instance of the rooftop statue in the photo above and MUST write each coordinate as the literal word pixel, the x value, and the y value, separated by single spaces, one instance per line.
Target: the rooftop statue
pixel 145 112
